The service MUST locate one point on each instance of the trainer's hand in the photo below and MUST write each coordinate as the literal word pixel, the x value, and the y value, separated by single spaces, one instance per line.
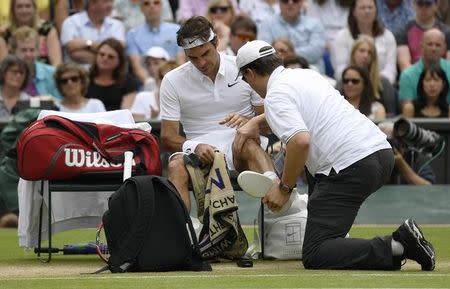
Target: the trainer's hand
pixel 205 153
pixel 275 199
pixel 250 130
pixel 234 120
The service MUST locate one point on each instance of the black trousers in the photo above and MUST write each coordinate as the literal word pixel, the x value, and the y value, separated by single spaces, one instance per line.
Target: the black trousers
pixel 333 204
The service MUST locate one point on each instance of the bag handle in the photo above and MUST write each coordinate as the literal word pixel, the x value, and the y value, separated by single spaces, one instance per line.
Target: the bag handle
pixel 85 131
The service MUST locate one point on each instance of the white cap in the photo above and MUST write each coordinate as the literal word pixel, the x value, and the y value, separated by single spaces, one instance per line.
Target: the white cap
pixel 157 52
pixel 252 51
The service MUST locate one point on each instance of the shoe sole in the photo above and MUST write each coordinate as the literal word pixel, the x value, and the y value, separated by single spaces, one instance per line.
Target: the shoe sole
pixel 257 185
pixel 414 229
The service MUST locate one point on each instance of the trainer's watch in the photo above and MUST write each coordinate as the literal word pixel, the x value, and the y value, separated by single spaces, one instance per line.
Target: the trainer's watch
pixel 285 189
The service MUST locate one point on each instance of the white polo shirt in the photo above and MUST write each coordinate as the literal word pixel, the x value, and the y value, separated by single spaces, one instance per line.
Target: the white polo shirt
pixel 302 100
pixel 189 96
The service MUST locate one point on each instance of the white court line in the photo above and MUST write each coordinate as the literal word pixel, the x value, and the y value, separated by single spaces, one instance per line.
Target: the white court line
pixel 140 276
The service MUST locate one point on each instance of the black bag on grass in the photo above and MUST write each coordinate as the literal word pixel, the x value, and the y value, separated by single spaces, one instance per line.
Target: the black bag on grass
pixel 148 228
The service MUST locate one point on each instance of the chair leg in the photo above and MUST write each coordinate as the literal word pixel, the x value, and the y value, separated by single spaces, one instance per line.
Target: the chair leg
pixel 261 211
pixel 39 248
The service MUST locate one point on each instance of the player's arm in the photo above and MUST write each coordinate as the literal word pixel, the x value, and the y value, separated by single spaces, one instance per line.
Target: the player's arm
pixel 170 136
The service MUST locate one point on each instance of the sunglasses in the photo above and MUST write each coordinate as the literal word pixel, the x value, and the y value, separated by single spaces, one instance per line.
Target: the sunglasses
pixel 245 37
pixel 288 1
pixel 354 81
pixel 219 9
pixel 148 3
pixel 72 79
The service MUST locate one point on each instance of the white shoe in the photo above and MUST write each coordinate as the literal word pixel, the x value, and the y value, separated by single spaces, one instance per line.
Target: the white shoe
pixel 257 185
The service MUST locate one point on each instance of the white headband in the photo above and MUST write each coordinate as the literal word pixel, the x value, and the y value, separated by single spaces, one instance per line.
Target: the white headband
pixel 195 41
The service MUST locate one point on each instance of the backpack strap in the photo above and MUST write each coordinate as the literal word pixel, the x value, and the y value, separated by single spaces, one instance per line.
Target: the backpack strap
pixel 195 262
pixel 134 241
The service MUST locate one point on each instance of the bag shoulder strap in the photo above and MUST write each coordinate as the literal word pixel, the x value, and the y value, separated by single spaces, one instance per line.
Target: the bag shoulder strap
pixel 136 236
pixel 196 262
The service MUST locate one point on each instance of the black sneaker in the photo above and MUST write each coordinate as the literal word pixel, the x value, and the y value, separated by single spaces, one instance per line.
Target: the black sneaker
pixel 415 245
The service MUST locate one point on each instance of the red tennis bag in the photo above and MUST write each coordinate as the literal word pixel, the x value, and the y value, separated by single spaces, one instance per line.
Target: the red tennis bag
pixel 56 148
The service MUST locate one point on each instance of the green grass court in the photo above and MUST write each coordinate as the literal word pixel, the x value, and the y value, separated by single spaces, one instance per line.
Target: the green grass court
pixel 21 269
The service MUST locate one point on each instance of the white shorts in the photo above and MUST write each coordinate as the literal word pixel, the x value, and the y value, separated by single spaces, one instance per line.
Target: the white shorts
pixel 223 141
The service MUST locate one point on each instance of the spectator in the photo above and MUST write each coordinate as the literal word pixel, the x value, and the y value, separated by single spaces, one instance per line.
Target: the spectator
pixel 82 32
pixel 25 45
pixel 362 19
pixel 221 14
pixel 189 8
pixel 432 45
pixel 258 10
pixel 409 38
pixel 129 12
pixel 333 15
pixel 153 33
pixel 13 79
pixel 305 32
pixel 221 11
pixel 395 14
pixel 206 98
pixel 109 80
pixel 146 105
pixel 443 12
pixel 357 89
pixel 242 30
pixel 284 47
pixel 432 92
pixel 364 54
pixel 154 58
pixel 73 80
pixel 24 13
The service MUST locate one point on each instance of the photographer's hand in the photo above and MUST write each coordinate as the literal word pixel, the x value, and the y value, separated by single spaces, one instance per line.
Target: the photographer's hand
pixel 406 172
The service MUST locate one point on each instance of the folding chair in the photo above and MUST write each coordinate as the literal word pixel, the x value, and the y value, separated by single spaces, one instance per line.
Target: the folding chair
pixel 80 185
pixel 91 182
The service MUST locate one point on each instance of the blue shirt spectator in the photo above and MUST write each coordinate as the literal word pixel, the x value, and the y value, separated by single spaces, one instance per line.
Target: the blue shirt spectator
pixel 43 80
pixel 397 18
pixel 306 33
pixel 82 32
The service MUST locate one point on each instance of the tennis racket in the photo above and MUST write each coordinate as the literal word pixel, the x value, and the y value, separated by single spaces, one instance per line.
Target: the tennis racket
pixel 101 244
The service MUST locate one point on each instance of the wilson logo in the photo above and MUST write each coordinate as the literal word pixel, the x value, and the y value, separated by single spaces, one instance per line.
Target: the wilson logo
pixel 81 158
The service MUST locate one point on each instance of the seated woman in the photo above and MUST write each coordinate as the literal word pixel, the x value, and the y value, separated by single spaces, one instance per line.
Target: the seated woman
pixel 364 53
pixel 109 80
pixel 357 89
pixel 362 19
pixel 13 79
pixel 72 81
pixel 24 13
pixel 432 92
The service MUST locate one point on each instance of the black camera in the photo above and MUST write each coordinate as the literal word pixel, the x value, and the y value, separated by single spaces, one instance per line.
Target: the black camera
pixel 413 136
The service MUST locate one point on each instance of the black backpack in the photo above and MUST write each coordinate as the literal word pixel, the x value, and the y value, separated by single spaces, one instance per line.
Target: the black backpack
pixel 148 228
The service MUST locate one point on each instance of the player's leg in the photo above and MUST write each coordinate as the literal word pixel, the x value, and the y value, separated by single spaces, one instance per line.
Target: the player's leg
pixel 178 175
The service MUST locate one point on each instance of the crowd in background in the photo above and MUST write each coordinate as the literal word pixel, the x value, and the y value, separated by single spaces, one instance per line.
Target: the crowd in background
pixel 373 51
pixel 387 57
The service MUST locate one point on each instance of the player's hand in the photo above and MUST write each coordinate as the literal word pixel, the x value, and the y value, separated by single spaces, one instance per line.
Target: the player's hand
pixel 275 199
pixel 205 153
pixel 234 120
pixel 250 130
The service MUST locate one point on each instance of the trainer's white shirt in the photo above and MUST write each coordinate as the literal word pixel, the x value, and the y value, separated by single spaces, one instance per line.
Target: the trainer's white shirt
pixel 189 96
pixel 302 100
